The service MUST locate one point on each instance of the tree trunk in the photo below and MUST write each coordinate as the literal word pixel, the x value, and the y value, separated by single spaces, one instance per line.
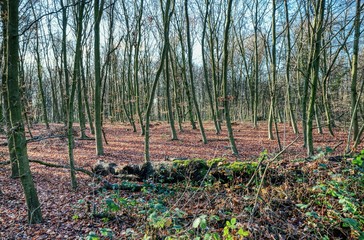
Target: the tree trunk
pixel 65 62
pixel 190 67
pixel 204 63
pixel 256 69
pixel 85 97
pixel 39 72
pixel 166 21
pixel 136 68
pixel 288 65
pixel 17 125
pixel 76 77
pixel 316 48
pixel 274 74
pixel 98 10
pixel 225 70
pixel 11 148
pixel 185 82
pixel 354 71
pixel 169 102
pixel 214 74
pixel 81 112
pixel 176 94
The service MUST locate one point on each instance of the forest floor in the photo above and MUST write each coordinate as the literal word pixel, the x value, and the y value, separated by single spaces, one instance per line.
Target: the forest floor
pixel 317 198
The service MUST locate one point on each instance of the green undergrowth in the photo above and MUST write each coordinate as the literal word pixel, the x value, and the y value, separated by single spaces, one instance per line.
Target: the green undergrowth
pixel 304 199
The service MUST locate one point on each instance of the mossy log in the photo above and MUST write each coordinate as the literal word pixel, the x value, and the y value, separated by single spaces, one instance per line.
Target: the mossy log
pixel 194 170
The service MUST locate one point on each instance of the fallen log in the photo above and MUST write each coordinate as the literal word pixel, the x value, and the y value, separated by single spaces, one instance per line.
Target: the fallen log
pixel 91 174
pixel 37 139
pixel 106 185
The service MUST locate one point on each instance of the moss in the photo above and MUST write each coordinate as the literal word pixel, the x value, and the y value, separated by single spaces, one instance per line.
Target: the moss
pixel 214 162
pixel 194 169
pixel 181 162
pixel 240 167
pixel 188 162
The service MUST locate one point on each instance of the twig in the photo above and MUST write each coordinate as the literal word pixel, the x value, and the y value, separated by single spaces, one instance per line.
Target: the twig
pixel 264 173
pixel 104 135
pixel 337 145
pixel 255 172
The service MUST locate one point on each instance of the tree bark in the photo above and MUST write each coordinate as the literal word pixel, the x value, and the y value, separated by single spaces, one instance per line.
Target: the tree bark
pixel 98 10
pixel 204 63
pixel 316 48
pixel 17 125
pixel 190 68
pixel 225 66
pixel 169 101
pixel 291 115
pixel 354 71
pixel 166 21
pixel 11 148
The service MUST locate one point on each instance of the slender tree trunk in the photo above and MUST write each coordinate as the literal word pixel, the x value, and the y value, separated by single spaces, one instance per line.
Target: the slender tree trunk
pixel 185 82
pixel 129 48
pixel 75 78
pixel 214 73
pixel 318 121
pixel 354 71
pixel 65 62
pixel 81 113
pixel 176 88
pixel 225 66
pixel 325 95
pixel 40 73
pixel 274 74
pixel 169 102
pixel 204 63
pixel 256 68
pixel 17 125
pixel 166 21
pixel 306 83
pixel 288 65
pixel 316 47
pixel 85 97
pixel 98 10
pixel 136 68
pixel 357 140
pixel 190 67
pixel 11 148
